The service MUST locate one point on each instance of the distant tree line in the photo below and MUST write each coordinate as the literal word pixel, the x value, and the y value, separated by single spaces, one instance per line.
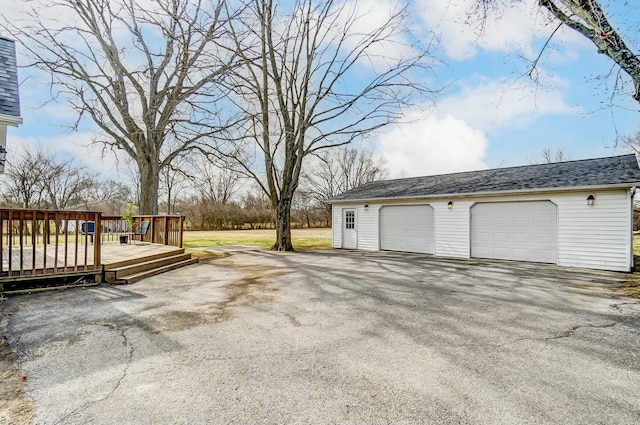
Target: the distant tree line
pixel 215 198
pixel 211 196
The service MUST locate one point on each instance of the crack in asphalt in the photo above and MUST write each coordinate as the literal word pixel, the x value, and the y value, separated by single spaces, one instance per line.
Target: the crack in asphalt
pixel 573 330
pixel 293 320
pixel 125 343
pixel 619 308
pixel 565 334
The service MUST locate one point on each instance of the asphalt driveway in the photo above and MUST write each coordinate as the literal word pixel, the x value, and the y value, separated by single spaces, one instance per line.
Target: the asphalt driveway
pixel 335 337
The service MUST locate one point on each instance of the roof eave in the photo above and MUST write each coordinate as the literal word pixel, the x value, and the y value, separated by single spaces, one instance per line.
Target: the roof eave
pixel 10 120
pixel 491 193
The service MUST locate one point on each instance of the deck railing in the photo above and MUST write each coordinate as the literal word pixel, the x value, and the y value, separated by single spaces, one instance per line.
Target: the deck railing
pixel 165 229
pixel 42 242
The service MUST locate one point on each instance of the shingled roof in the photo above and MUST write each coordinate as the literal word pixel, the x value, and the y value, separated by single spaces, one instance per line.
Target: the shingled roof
pixel 9 101
pixel 618 171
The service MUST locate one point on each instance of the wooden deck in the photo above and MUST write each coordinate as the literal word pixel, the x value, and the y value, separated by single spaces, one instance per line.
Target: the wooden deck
pixel 113 253
pixel 78 261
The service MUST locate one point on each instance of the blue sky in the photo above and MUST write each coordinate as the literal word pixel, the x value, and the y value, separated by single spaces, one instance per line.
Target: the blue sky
pixel 489 113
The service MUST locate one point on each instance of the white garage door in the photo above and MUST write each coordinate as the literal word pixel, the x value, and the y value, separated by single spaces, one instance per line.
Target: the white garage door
pixel 524 231
pixel 407 228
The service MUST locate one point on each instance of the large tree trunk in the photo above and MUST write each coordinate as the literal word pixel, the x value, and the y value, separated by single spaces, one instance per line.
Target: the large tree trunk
pixel 283 226
pixel 149 183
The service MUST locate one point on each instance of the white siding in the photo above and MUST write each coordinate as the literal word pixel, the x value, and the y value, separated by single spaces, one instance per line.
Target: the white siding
pixel 452 228
pixel 368 227
pixel 336 225
pixel 595 236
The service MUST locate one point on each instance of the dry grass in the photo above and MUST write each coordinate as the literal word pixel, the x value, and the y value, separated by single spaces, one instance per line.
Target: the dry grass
pixel 302 238
pixel 631 290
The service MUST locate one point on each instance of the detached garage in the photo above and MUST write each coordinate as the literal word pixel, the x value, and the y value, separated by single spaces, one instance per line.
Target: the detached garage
pixel 575 213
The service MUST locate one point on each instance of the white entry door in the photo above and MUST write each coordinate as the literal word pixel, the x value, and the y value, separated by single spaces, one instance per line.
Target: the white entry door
pixel 349 235
pixel 523 231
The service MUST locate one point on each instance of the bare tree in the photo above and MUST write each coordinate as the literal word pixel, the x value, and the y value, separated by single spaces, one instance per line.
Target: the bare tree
pixel 108 196
pixel 142 71
pixel 23 178
pixel 173 179
pixel 549 155
pixel 588 18
pixel 39 179
pixel 66 182
pixel 132 173
pixel 312 79
pixel 559 155
pixel 215 184
pixel 339 170
pixel 631 142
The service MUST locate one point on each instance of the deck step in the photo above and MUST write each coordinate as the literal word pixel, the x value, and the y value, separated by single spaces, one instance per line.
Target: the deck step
pixel 148 273
pixel 129 262
pixel 147 267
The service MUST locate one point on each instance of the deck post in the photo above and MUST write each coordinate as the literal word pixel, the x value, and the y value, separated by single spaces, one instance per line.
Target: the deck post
pixel 166 230
pixel 97 240
pixel 181 229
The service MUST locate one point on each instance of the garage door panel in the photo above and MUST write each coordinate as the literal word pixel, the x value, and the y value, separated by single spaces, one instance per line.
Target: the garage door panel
pixel 521 254
pixel 502 221
pixel 407 228
pixel 545 238
pixel 520 222
pixel 483 236
pixel 521 237
pixel 544 222
pixel 515 231
pixel 542 256
pixel 500 237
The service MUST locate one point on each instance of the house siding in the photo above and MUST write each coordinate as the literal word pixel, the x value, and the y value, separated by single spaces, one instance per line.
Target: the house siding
pixel 368 227
pixel 336 226
pixel 452 228
pixel 596 236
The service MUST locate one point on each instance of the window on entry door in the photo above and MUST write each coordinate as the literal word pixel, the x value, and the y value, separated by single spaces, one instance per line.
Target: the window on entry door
pixel 350 220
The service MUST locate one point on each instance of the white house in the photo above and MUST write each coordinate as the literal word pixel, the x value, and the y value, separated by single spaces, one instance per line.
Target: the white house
pixel 575 213
pixel 9 101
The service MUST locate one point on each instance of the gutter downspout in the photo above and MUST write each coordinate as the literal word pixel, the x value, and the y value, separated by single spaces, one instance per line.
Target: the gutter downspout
pixel 632 192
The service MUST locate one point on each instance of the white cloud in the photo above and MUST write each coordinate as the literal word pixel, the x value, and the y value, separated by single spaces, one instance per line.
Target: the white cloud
pixel 511 27
pixel 495 105
pixel 454 137
pixel 74 145
pixel 361 18
pixel 434 145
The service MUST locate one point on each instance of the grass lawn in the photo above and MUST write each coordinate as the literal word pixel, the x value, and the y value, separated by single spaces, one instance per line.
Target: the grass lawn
pixel 302 238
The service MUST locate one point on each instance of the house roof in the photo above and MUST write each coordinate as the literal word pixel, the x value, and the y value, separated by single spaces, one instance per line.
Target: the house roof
pixel 618 171
pixel 9 101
